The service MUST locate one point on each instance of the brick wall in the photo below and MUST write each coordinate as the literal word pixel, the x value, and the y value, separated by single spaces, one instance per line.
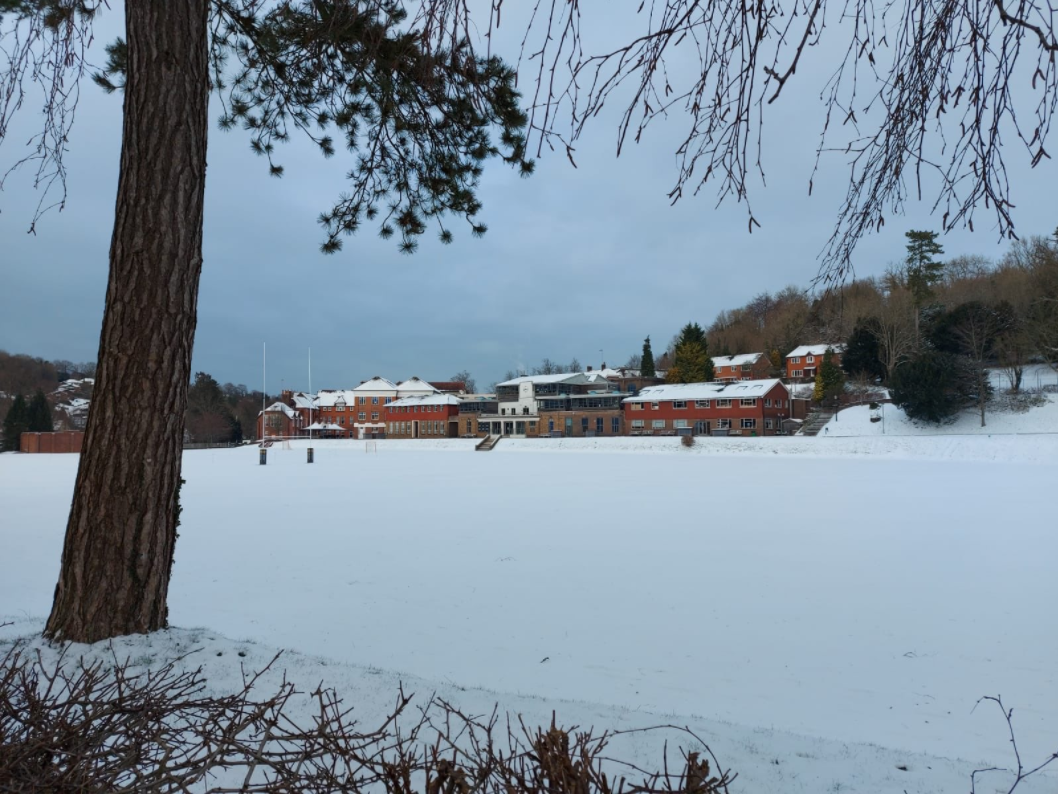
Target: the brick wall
pixel 64 441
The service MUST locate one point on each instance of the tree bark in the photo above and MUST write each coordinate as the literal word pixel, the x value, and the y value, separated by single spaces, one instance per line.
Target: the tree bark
pixel 121 534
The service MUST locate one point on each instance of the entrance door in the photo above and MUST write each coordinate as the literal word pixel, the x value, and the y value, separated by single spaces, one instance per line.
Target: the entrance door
pixel 701 428
pixel 415 429
pixel 569 427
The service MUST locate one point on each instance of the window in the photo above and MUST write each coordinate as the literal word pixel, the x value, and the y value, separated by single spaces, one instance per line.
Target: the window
pixel 746 367
pixel 637 424
pixel 747 403
pixel 469 431
pixel 749 424
pixel 767 402
pixel 680 423
pixel 341 420
pixel 796 360
pixel 723 403
pixel 599 425
pixel 340 408
pixel 615 425
pixel 723 424
pixel 658 424
pixel 374 400
pixel 637 406
pixel 655 406
pixel 796 373
pixel 810 360
pixel 374 416
pixel 361 416
pixel 363 400
pixel 584 424
pixel 701 403
pixel 677 404
pixel 767 424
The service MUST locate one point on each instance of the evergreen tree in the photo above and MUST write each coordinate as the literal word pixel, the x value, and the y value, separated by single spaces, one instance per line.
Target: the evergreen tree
pixel 862 355
pixel 691 362
pixel 830 380
pixel 933 386
pixel 646 364
pixel 15 424
pixel 922 269
pixel 38 414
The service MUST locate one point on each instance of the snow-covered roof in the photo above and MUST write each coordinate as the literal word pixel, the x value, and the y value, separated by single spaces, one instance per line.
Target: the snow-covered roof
pixel 559 377
pixel 736 361
pixel 477 398
pixel 425 399
pixel 303 400
pixel 415 385
pixel 742 390
pixel 327 398
pixel 278 407
pixel 376 384
pixel 815 350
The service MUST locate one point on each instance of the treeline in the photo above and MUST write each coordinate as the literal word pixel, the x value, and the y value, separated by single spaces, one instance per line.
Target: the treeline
pixel 221 413
pixel 22 416
pixel 929 327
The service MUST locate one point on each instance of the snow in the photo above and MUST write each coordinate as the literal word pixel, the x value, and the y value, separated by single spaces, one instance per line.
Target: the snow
pixel 736 361
pixel 739 390
pixel 376 384
pixel 426 399
pixel 815 350
pixel 278 407
pixel 834 604
pixel 328 398
pixel 417 385
pixel 558 377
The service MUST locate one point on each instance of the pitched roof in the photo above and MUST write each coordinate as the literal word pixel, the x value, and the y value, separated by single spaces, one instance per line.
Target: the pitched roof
pixel 745 389
pixel 278 407
pixel 376 384
pixel 558 377
pixel 415 384
pixel 328 397
pixel 425 399
pixel 815 350
pixel 736 361
pixel 449 385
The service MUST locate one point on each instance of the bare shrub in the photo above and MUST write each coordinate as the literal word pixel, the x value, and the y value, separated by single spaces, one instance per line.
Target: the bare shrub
pixel 687 441
pixel 1021 772
pixel 73 726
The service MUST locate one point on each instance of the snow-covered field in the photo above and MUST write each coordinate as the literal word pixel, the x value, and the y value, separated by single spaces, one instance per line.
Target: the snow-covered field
pixel 835 605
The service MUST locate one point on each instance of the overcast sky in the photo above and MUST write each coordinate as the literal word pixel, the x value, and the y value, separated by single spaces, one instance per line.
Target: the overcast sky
pixel 578 262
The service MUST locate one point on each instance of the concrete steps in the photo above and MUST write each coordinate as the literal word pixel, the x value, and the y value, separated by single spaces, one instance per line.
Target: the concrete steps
pixel 815 421
pixel 487 444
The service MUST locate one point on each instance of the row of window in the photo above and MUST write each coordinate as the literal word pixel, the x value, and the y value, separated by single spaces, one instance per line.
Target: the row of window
pixel 720 403
pixel 414 409
pixel 808 360
pixel 363 401
pixel 717 424
pixel 425 428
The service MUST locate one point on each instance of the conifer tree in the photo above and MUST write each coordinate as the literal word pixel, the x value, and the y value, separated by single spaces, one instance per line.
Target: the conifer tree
pixel 830 380
pixel 691 362
pixel 646 364
pixel 922 269
pixel 416 108
pixel 38 414
pixel 15 424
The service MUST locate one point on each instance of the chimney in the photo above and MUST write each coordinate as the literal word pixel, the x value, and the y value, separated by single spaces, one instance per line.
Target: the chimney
pixel 589 368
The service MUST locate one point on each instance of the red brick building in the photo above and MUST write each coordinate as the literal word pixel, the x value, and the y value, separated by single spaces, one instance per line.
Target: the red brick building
pixel 279 420
pixel 752 407
pixel 747 366
pixel 423 416
pixel 803 362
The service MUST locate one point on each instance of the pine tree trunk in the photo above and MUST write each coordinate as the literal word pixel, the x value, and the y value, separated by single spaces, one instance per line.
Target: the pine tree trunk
pixel 121 533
